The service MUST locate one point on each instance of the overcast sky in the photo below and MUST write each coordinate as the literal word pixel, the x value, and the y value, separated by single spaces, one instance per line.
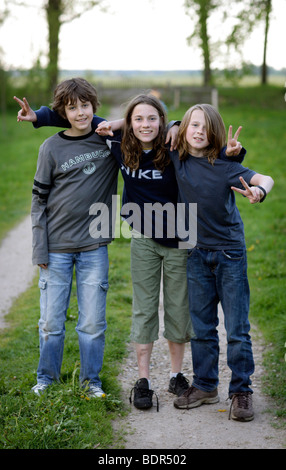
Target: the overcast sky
pixel 133 35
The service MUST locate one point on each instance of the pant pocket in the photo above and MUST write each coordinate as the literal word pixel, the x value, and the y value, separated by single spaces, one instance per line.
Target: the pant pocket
pixel 234 254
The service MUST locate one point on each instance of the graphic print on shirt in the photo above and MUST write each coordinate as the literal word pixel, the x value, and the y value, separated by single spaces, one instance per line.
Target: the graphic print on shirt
pixel 140 174
pixel 89 168
pixel 82 158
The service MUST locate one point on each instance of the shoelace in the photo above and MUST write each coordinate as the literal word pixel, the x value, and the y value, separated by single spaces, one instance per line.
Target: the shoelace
pixel 188 391
pixel 145 392
pixel 243 401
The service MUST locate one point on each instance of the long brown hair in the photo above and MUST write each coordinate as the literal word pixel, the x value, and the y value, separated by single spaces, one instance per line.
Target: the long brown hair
pixel 132 147
pixel 215 132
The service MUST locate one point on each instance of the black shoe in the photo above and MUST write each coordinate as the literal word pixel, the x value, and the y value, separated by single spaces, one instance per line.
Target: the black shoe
pixel 178 385
pixel 142 395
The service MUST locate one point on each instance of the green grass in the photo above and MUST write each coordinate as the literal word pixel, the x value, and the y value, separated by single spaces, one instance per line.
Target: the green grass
pixel 64 418
pixel 19 151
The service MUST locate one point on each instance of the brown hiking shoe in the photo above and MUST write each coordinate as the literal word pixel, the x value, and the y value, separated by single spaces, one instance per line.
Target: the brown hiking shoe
pixel 241 407
pixel 194 397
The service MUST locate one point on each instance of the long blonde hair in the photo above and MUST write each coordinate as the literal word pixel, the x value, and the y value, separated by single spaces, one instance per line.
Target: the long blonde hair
pixel 132 147
pixel 215 132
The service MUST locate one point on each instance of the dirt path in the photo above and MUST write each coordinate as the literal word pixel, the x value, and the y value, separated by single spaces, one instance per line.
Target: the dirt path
pixel 206 427
pixel 16 269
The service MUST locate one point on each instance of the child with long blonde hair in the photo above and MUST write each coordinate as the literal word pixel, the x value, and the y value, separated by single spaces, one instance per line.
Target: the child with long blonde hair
pixel 217 265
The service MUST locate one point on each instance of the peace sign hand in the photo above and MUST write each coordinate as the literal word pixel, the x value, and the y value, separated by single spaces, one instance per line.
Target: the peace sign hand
pixel 26 113
pixel 233 146
pixel 253 193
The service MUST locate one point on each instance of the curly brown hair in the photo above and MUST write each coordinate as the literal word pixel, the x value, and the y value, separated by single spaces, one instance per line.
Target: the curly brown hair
pixel 215 132
pixel 68 91
pixel 132 147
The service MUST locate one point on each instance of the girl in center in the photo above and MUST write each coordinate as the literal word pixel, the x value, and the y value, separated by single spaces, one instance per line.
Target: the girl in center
pixel 149 178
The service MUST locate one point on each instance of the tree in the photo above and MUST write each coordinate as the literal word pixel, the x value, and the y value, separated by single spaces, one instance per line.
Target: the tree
pixel 267 11
pixel 252 12
pixel 59 12
pixel 245 16
pixel 203 9
pixel 3 75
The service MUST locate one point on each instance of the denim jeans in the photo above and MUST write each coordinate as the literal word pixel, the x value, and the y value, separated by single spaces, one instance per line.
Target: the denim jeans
pixel 91 269
pixel 213 277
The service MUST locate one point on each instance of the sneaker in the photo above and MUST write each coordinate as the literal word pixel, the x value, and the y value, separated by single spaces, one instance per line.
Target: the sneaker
pixel 178 385
pixel 241 407
pixel 194 397
pixel 38 389
pixel 142 395
pixel 95 392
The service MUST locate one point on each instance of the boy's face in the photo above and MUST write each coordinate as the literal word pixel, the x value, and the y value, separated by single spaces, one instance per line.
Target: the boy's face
pixel 196 133
pixel 79 116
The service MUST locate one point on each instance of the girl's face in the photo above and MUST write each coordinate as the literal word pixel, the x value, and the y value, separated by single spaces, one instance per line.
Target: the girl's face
pixel 80 117
pixel 196 133
pixel 145 122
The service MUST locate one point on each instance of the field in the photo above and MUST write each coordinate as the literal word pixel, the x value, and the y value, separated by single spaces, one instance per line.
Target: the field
pixel 65 418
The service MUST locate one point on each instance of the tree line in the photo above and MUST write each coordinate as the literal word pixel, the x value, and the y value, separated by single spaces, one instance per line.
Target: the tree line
pixel 246 15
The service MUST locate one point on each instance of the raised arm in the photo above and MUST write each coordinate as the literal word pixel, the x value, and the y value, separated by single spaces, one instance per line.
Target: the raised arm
pixel 46 116
pixel 42 117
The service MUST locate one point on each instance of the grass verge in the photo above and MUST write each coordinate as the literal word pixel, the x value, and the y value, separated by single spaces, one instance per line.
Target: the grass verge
pixel 64 417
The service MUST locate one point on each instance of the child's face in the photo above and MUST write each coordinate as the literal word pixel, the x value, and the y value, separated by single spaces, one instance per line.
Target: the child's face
pixel 80 116
pixel 196 133
pixel 145 121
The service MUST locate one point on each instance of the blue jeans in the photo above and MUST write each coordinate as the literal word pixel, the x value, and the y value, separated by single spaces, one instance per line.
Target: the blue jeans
pixel 213 277
pixel 91 269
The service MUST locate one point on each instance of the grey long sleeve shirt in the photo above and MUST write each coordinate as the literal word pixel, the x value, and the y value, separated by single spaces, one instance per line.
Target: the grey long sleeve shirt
pixel 73 174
